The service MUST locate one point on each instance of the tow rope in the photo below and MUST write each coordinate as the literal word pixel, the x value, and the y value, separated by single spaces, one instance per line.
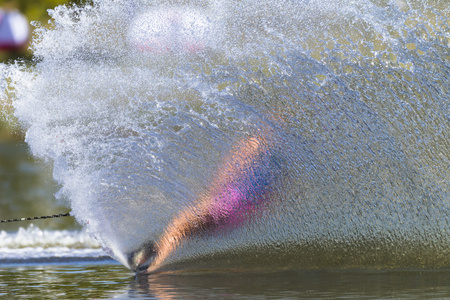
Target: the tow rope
pixel 36 218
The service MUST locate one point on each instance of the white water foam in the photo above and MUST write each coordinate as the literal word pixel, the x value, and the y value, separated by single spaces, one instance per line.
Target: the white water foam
pixel 33 244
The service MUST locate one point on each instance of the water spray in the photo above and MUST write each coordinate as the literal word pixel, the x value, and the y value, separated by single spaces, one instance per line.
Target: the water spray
pixel 139 111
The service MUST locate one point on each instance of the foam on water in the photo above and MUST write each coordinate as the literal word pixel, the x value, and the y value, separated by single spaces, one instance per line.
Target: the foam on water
pixel 32 244
pixel 350 98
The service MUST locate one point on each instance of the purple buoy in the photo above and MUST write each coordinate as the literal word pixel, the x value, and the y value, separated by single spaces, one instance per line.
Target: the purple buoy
pixel 14 30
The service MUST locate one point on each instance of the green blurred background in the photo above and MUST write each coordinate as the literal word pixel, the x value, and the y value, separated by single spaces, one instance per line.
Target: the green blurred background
pixel 26 185
pixel 34 10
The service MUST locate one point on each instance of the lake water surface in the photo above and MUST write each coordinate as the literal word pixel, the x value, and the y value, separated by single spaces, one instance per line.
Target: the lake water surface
pixel 109 280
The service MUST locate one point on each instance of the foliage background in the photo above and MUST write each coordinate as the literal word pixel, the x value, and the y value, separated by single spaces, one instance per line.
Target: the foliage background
pixel 34 10
pixel 26 185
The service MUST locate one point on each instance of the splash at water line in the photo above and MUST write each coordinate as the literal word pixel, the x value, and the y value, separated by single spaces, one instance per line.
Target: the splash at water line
pixel 295 134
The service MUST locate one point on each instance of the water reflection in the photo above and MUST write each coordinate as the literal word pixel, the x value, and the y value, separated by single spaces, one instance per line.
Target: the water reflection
pixel 108 280
pixel 294 285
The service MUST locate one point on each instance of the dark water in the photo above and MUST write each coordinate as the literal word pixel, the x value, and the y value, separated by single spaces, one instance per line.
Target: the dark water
pixel 112 281
pixel 27 188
